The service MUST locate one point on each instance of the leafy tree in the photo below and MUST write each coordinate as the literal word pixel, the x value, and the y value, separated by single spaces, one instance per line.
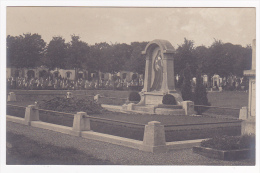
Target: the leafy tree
pixel 242 59
pixel 185 55
pixel 220 61
pixel 78 54
pixel 25 51
pixel 98 61
pixel 247 57
pixel 202 54
pixel 226 58
pixel 186 90
pixel 136 63
pixel 119 54
pixel 56 53
pixel 200 94
pixel 13 49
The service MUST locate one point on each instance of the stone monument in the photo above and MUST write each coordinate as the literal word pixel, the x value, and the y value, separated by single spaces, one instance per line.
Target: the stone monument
pixel 159 73
pixel 248 113
pixel 159 80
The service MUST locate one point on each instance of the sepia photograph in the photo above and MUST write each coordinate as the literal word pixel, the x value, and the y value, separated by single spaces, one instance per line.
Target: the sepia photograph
pixel 130 85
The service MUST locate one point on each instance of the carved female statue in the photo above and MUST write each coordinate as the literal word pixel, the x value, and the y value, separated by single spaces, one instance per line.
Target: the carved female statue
pixel 158 72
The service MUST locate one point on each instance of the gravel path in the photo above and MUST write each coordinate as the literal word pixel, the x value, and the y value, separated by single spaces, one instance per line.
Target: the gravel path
pixel 118 154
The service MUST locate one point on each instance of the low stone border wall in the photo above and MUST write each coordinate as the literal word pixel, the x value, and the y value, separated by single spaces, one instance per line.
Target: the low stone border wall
pixel 204 125
pixel 153 141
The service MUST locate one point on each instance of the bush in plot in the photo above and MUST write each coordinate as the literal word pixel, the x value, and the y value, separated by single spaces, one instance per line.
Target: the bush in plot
pixel 134 96
pixel 186 90
pixel 200 95
pixel 71 105
pixel 169 99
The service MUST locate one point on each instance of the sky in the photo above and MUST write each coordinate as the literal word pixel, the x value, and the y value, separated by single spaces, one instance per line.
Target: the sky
pixel 126 25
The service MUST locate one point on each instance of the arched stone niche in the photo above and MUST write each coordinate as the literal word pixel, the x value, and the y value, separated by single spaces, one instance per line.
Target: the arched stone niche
pixel 159 73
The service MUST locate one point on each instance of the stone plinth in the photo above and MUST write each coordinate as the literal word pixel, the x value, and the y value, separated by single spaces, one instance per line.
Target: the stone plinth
pixel 31 114
pixel 153 98
pixel 188 106
pixel 154 137
pixel 11 97
pixel 80 123
pixel 243 113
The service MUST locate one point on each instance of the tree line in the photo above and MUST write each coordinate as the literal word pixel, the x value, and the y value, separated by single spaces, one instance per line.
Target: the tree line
pixel 30 51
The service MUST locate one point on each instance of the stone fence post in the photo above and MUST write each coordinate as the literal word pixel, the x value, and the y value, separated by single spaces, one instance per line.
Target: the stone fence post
pixel 154 137
pixel 188 106
pixel 69 95
pixel 11 97
pixel 243 113
pixel 130 106
pixel 31 114
pixel 80 123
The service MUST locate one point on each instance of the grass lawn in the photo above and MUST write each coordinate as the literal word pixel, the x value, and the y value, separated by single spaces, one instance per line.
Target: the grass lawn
pixel 21 150
pixel 227 99
pixel 232 99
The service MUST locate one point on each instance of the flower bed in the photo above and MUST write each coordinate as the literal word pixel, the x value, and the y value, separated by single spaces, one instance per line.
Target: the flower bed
pixel 228 147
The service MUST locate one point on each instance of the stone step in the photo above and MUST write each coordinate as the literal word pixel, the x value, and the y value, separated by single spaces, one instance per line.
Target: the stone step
pixel 170 106
pixel 148 109
pixel 167 111
pixel 163 111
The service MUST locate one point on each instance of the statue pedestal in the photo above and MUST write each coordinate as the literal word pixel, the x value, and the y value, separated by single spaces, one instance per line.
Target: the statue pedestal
pixel 152 98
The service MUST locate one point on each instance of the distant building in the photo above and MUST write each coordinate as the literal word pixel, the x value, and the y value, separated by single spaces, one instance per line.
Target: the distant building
pixel 27 72
pixel 68 74
pixel 128 76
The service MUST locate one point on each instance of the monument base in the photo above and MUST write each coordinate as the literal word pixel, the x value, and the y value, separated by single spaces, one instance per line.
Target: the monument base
pixel 151 102
pixel 155 98
pixel 155 109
